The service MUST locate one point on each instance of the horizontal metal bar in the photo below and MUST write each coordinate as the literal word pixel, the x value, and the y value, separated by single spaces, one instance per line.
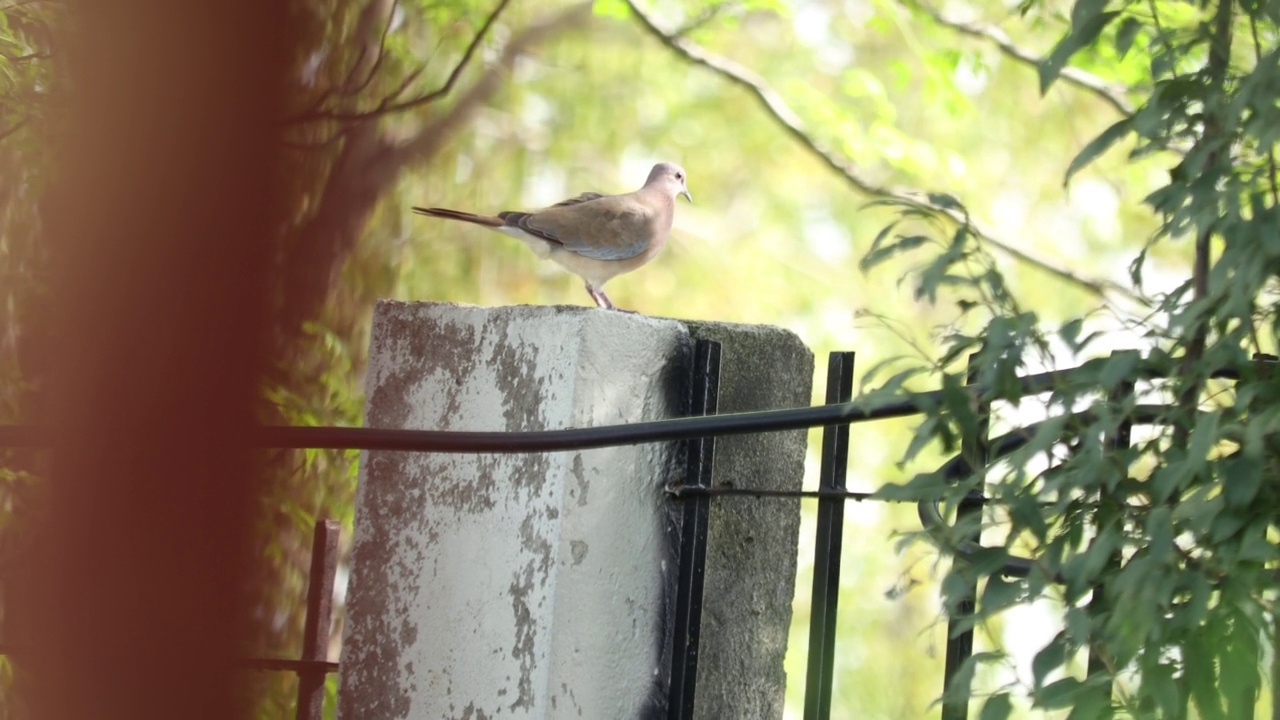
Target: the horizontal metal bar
pixel 449 441
pixel 687 491
pixel 343 438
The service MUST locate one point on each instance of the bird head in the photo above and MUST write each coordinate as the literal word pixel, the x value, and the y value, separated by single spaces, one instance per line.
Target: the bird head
pixel 670 176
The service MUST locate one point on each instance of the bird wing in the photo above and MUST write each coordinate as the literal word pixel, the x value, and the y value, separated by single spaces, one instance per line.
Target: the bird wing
pixel 610 227
pixel 584 197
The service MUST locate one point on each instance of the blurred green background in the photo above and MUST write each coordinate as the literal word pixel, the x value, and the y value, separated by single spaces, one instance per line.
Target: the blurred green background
pixel 562 98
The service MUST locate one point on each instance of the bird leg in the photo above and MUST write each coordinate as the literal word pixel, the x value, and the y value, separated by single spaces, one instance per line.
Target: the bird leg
pixel 601 299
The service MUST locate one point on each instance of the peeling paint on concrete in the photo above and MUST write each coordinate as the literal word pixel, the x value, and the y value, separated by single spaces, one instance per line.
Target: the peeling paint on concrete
pixel 539 586
pixel 473 570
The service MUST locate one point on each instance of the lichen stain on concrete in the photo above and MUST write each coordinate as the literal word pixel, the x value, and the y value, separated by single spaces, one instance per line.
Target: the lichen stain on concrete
pixel 523 392
pixel 531 577
pixel 568 692
pixel 578 549
pixel 523 648
pixel 580 477
pixel 471 492
pixel 376 687
pixel 376 583
pixel 408 634
pixel 537 545
pixel 416 347
pixel 529 472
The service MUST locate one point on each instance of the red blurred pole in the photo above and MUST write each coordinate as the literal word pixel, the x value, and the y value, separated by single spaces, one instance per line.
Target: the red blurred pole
pixel 160 220
pixel 319 620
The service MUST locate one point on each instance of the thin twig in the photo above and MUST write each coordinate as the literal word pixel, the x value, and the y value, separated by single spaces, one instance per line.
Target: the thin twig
pixel 348 86
pixel 347 90
pixel 387 109
pixel 708 15
pixel 794 126
pixel 404 84
pixel 1107 92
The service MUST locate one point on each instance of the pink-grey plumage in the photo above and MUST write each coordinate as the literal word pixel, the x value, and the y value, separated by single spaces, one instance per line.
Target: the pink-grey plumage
pixel 596 237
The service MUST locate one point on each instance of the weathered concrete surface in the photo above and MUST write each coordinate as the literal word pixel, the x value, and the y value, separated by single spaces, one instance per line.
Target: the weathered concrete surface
pixel 539 585
pixel 751 551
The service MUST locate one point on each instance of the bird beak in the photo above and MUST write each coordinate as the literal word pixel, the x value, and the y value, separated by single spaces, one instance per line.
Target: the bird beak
pixel 687 196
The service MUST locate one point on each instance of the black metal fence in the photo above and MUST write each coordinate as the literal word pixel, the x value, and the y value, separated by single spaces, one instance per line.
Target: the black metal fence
pixel 695 495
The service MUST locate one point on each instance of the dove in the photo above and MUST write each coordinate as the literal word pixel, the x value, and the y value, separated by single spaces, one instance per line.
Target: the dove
pixel 596 237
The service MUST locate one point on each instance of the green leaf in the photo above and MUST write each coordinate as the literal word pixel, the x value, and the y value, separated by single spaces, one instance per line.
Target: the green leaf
pixel 1050 658
pixel 1026 513
pixel 901 244
pixel 1203 437
pixel 1059 693
pixel 999 594
pixel 924 435
pixel 1197 657
pixel 924 486
pixel 1159 684
pixel 946 202
pixel 1242 479
pixel 1073 42
pixel 1079 626
pixel 997 707
pixel 1070 331
pixel 1082 11
pixel 1091 703
pixel 1125 34
pixel 963 679
pixel 1096 147
pixel 1117 368
pixel 1160 532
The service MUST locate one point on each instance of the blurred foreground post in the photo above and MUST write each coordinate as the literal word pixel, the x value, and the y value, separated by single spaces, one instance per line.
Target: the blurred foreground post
pixel 160 225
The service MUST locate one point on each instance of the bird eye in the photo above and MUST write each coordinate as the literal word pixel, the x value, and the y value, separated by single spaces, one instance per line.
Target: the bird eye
pixel 680 176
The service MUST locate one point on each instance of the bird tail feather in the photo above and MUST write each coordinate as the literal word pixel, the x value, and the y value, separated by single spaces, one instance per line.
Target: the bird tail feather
pixel 485 220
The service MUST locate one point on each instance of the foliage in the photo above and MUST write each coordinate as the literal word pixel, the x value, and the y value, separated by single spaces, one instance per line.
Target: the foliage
pixel 1144 498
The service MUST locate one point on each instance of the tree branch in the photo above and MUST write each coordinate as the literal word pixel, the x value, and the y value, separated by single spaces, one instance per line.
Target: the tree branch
pixel 1109 93
pixel 429 139
pixel 777 108
pixel 388 105
pixel 347 88
pixel 368 164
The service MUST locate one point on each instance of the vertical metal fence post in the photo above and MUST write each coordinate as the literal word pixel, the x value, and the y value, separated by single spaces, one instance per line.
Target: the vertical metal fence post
pixel 955 705
pixel 826 559
pixel 693 537
pixel 315 639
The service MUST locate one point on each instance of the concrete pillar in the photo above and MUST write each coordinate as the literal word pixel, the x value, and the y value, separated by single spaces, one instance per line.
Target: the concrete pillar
pixel 751 550
pixel 540 585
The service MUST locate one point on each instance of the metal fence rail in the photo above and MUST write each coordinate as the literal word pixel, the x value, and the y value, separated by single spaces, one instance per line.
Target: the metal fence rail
pixel 695 493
